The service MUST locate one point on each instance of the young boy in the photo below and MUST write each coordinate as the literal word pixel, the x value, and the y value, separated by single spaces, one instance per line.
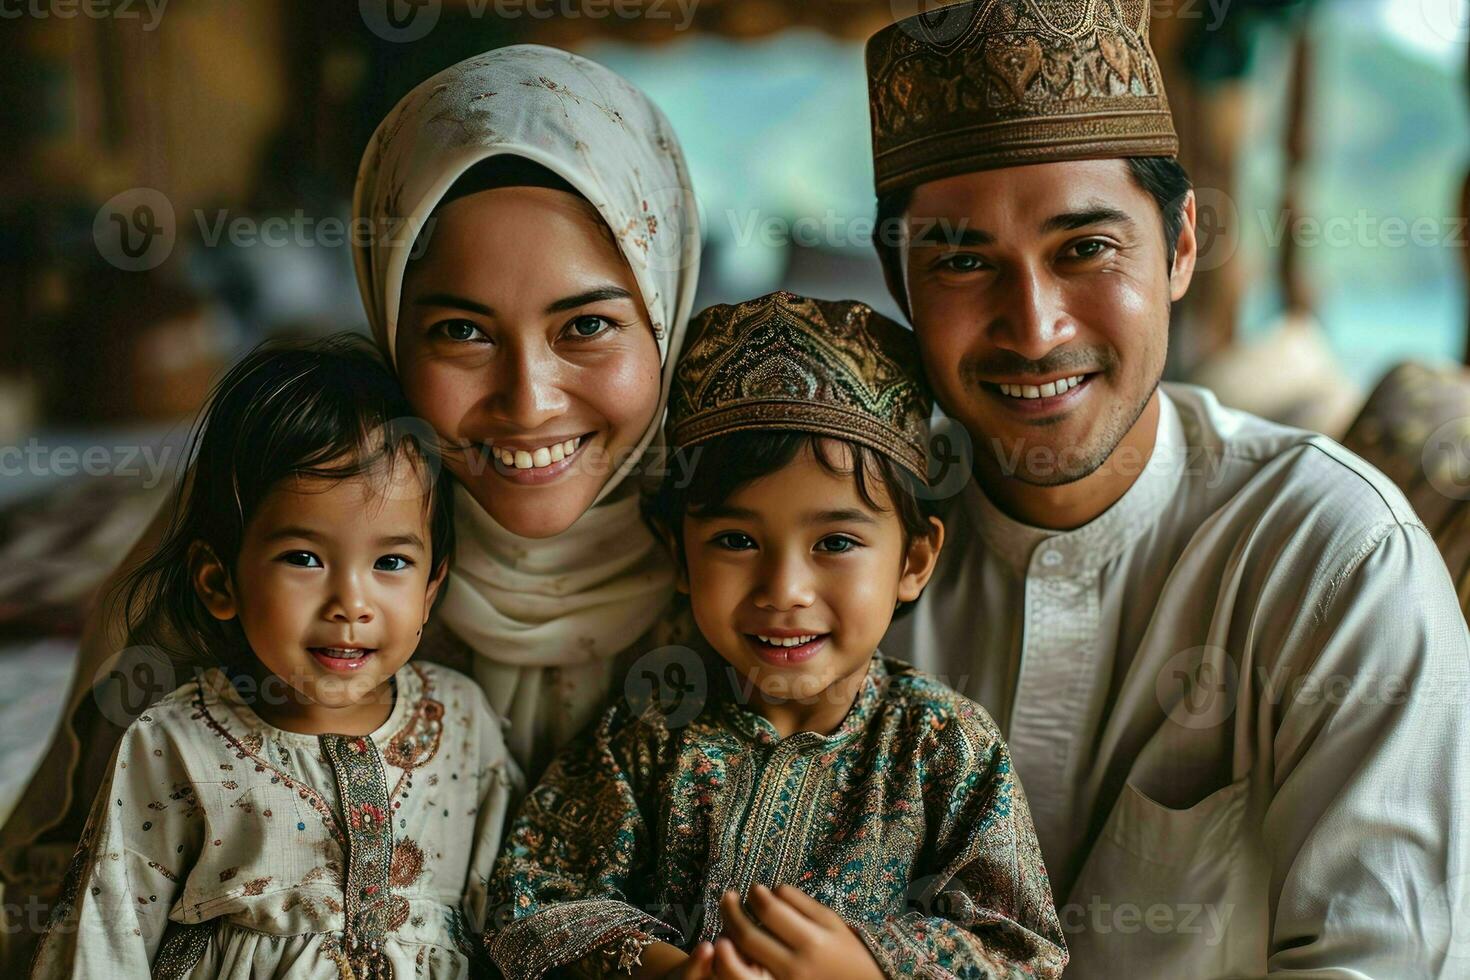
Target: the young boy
pixel 865 814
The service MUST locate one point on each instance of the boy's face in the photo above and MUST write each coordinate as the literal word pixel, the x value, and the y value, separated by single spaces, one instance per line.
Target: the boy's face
pixel 332 588
pixel 797 557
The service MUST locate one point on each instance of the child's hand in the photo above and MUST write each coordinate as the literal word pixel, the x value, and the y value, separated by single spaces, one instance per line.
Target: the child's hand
pixel 698 966
pixel 801 939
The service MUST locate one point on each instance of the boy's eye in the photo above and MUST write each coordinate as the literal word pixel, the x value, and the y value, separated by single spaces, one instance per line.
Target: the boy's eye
pixel 734 541
pixel 301 559
pixel 837 544
pixel 392 563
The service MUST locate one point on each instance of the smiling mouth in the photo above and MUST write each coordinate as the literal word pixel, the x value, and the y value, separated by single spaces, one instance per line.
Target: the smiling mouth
pixel 344 653
pixel 786 650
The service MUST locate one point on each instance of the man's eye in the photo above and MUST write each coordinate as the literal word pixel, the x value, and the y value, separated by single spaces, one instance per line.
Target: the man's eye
pixel 837 544
pixel 585 327
pixel 460 331
pixel 392 563
pixel 1089 249
pixel 961 262
pixel 301 559
pixel 734 541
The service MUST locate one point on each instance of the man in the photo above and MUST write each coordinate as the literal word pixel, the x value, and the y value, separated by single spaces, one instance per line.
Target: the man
pixel 1226 655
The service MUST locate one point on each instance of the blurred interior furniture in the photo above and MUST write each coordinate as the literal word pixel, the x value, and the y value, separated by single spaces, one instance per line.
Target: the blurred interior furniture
pixel 1415 427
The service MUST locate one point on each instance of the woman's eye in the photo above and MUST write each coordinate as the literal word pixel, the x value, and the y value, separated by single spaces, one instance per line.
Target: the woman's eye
pixel 460 331
pixel 301 559
pixel 837 544
pixel 734 541
pixel 584 327
pixel 392 563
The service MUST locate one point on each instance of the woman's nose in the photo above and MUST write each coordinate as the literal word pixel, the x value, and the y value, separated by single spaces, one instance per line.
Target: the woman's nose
pixel 528 387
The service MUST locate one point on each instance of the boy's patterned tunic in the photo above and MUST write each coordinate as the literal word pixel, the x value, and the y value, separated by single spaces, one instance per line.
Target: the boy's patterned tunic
pixel 907 821
pixel 224 847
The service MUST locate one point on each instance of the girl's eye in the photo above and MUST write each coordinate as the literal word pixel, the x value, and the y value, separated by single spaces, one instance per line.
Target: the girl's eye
pixel 735 541
pixel 586 327
pixel 460 331
pixel 392 563
pixel 837 544
pixel 301 559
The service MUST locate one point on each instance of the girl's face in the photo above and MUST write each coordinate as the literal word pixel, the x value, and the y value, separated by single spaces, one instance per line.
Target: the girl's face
pixel 794 581
pixel 332 589
pixel 523 340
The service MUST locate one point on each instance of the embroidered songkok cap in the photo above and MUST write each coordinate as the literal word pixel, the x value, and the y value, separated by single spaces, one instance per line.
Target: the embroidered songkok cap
pixel 786 362
pixel 1002 83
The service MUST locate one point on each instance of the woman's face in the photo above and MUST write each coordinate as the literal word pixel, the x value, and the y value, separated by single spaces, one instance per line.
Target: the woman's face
pixel 523 340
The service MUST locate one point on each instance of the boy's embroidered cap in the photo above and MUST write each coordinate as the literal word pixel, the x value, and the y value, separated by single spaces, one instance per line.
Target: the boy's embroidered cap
pixel 786 362
pixel 1001 83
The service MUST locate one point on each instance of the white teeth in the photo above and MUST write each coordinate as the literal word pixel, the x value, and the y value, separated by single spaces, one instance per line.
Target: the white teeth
pixel 522 459
pixel 787 641
pixel 1051 388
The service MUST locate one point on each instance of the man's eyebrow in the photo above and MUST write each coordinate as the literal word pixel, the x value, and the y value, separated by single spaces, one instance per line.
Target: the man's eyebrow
pixel 935 233
pixel 597 295
pixel 454 302
pixel 1072 220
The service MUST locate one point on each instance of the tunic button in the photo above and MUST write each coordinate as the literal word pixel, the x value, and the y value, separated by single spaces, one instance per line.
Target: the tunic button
pixel 1051 559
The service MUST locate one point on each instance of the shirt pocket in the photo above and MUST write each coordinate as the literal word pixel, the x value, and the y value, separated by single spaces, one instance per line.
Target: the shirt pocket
pixel 1170 891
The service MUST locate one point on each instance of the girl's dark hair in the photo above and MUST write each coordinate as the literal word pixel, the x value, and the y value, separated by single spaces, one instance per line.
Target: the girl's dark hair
pixel 703 477
pixel 328 410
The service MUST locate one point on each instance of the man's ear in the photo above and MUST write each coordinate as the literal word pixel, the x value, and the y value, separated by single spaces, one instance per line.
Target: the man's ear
pixel 1186 252
pixel 919 563
pixel 212 582
pixel 436 582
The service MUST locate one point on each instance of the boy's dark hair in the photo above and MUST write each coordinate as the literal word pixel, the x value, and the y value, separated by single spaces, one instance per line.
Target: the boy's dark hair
pixel 1164 178
pixel 703 477
pixel 328 410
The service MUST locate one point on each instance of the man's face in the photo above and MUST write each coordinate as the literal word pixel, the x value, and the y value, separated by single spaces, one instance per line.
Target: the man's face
pixel 1040 296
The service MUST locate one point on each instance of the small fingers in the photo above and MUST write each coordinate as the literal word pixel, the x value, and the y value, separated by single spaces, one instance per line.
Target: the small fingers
pixel 730 965
pixel 753 942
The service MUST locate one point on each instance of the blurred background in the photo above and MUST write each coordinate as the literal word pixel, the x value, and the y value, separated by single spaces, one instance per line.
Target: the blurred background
pixel 176 179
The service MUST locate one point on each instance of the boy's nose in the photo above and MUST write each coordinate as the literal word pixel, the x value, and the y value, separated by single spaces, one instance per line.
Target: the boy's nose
pixel 787 584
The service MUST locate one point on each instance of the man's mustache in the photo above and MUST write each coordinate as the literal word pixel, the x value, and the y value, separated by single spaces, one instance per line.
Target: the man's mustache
pixel 1064 361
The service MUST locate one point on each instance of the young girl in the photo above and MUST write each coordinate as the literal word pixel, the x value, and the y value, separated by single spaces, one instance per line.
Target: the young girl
pixel 865 813
pixel 314 805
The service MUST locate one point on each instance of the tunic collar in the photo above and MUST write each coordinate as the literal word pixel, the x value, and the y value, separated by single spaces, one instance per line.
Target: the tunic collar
pixel 1040 552
pixel 754 728
pixel 409 690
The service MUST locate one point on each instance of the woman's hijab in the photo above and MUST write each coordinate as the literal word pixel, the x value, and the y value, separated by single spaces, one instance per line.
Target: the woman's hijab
pixel 588 593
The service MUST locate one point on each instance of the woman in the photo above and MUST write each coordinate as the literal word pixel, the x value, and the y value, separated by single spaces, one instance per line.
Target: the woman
pixel 532 305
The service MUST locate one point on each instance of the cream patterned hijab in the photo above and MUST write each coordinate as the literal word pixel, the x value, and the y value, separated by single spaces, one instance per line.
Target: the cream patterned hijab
pixel 588 593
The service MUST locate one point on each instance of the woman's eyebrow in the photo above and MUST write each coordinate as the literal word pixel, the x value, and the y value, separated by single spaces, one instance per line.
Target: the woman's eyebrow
pixel 456 302
pixel 598 295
